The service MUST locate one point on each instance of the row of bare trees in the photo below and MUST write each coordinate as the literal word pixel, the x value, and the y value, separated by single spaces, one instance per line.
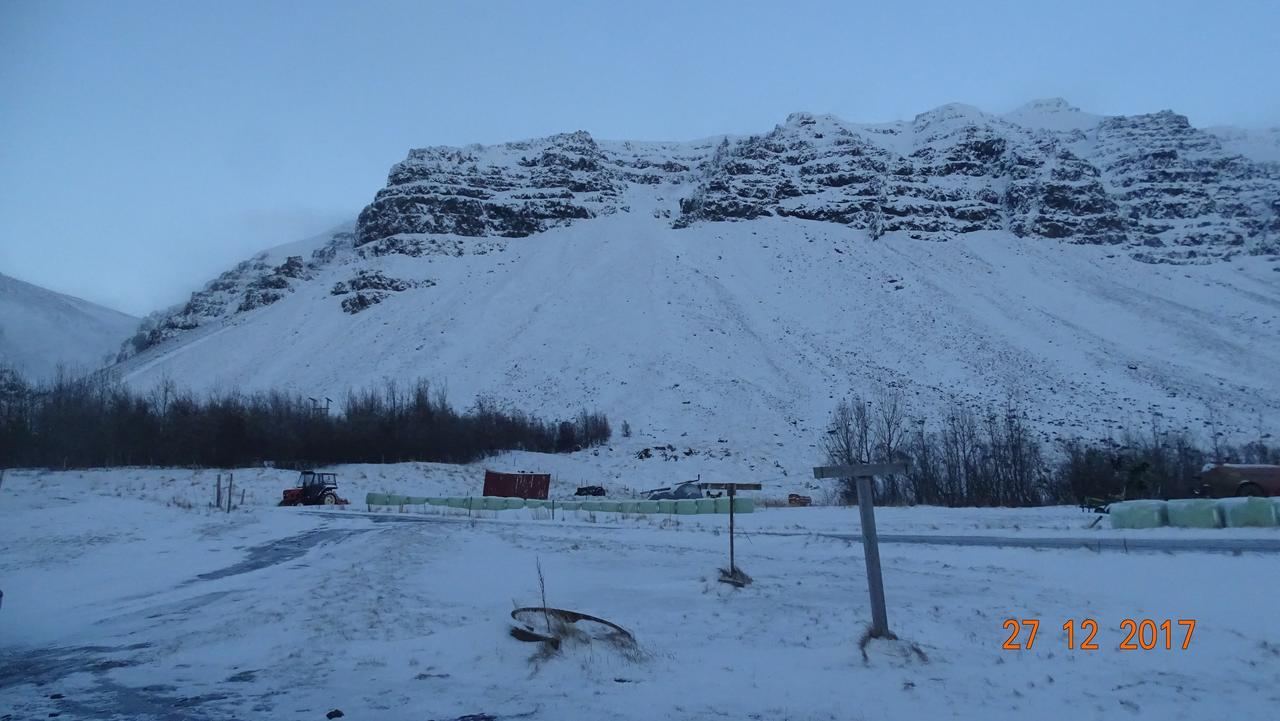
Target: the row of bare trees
pixel 94 420
pixel 993 457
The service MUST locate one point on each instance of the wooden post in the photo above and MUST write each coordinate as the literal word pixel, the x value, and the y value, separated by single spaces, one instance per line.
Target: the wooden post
pixel 217 503
pixel 871 551
pixel 863 475
pixel 731 490
pixel 732 568
pixel 230 479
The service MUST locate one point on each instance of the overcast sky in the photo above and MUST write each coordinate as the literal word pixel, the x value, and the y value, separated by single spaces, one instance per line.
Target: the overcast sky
pixel 145 147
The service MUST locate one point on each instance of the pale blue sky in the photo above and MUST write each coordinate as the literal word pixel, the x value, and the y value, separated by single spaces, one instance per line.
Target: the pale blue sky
pixel 146 146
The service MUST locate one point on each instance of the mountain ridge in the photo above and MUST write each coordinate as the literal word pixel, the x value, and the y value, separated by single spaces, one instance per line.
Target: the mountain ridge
pixel 42 329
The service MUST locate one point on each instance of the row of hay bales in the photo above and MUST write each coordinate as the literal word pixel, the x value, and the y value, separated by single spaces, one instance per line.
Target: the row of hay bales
pixel 1197 513
pixel 684 507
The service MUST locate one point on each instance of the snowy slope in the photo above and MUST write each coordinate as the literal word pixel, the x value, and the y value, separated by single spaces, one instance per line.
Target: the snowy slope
pixel 728 291
pixel 41 329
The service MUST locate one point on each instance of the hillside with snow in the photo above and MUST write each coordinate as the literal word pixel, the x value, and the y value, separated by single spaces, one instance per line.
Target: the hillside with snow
pixel 1098 272
pixel 41 329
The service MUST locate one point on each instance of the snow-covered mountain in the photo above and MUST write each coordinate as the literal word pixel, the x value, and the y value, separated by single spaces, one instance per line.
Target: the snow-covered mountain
pixel 1098 271
pixel 41 329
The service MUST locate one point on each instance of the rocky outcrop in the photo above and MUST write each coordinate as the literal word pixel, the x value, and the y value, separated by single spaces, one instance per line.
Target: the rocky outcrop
pixel 509 190
pixel 252 284
pixel 367 288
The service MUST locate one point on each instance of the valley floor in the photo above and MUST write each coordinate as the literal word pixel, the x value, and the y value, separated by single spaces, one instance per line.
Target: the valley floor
pixel 126 596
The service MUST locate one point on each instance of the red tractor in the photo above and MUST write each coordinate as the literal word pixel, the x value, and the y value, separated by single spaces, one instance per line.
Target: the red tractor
pixel 313 489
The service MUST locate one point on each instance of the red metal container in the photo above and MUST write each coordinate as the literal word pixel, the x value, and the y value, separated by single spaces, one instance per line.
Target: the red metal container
pixel 517 485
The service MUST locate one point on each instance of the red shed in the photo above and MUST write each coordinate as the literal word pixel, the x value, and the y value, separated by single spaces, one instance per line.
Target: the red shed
pixel 517 485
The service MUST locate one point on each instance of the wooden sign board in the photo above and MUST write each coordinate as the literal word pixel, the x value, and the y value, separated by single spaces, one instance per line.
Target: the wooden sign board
pixel 731 486
pixel 859 470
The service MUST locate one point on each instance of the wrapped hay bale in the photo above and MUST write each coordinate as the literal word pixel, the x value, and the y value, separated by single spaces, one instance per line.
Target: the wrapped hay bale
pixel 686 507
pixel 628 507
pixel 437 501
pixel 567 505
pixel 1247 512
pixel 610 506
pixel 722 505
pixel 1138 514
pixel 1194 513
pixel 647 506
pixel 666 506
pixel 706 505
pixel 512 504
pixel 744 505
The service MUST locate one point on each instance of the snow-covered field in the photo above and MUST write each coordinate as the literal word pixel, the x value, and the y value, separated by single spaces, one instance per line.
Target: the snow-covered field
pixel 126 596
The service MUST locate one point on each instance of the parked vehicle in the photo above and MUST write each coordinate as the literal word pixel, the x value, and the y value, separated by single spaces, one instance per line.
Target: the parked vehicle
pixel 688 489
pixel 589 491
pixel 795 499
pixel 1223 480
pixel 313 489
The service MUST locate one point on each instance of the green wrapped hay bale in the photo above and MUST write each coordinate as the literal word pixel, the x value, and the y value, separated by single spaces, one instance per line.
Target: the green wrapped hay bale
pixel 437 501
pixel 1247 512
pixel 666 505
pixel 686 507
pixel 610 506
pixel 536 503
pixel 628 507
pixel 514 503
pixel 567 506
pixel 1194 513
pixel 375 499
pixel 744 505
pixel 591 506
pixel 706 505
pixel 1138 514
pixel 722 504
pixel 416 501
pixel 647 506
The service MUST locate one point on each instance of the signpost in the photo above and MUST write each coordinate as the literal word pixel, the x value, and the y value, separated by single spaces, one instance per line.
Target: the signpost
pixel 731 489
pixel 864 472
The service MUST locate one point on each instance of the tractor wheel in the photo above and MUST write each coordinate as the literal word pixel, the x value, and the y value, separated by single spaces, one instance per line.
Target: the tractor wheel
pixel 330 499
pixel 299 504
pixel 1249 489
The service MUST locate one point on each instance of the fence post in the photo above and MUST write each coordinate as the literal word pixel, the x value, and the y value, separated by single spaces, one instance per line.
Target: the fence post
pixel 217 503
pixel 231 477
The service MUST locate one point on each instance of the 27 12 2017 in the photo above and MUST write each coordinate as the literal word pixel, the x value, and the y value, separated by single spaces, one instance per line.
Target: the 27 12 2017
pixel 1138 634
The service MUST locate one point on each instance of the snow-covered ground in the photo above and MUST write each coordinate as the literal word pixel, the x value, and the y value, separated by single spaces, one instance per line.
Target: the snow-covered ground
pixel 126 596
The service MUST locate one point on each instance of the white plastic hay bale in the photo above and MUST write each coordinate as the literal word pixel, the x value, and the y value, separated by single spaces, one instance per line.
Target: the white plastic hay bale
pixel 1139 514
pixel 1247 512
pixel 1194 513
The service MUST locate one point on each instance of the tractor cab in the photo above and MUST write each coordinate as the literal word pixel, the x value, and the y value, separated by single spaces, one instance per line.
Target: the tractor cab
pixel 313 489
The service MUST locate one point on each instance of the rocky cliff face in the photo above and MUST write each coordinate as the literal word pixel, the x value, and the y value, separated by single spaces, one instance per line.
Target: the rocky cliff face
pixel 1152 183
